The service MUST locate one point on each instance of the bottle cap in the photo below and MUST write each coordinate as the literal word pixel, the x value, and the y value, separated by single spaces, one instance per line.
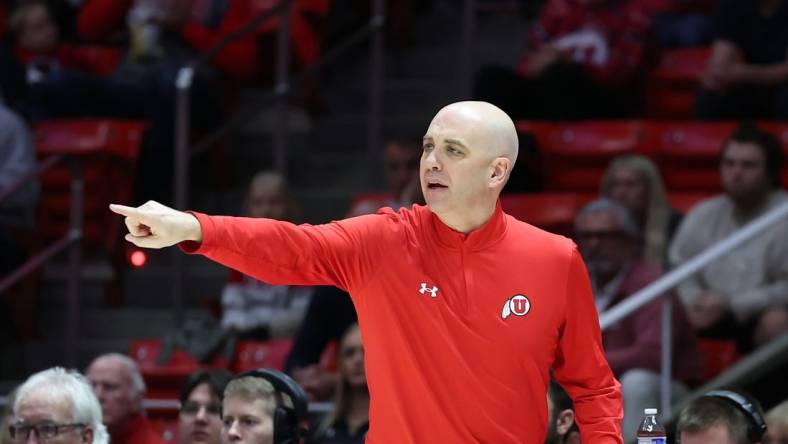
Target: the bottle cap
pixel 650 411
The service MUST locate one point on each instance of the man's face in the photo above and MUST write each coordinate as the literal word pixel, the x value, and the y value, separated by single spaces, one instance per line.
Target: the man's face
pixel 716 434
pixel 112 385
pixel 629 189
pixel 38 33
pixel 199 421
pixel 402 167
pixel 743 172
pixel 268 202
pixel 603 244
pixel 455 167
pixel 246 422
pixel 43 413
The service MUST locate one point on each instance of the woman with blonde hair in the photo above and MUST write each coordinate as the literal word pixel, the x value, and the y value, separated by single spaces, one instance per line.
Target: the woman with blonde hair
pixel 635 181
pixel 349 421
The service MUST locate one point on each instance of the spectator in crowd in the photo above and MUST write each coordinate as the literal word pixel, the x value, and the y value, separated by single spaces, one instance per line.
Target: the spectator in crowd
pixel 634 181
pixel 17 211
pixel 7 418
pixel 199 421
pixel 247 411
pixel 253 309
pixel 682 23
pixel 584 59
pixel 741 295
pixel 561 428
pixel 17 158
pixel 747 75
pixel 349 421
pixel 777 424
pixel 329 315
pixel 609 240
pixel 401 159
pixel 177 28
pixel 57 405
pixel 60 80
pixel 120 389
pixel 715 418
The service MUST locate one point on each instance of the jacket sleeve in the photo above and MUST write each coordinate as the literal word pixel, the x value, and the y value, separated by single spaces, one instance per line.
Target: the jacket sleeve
pixel 580 366
pixel 343 254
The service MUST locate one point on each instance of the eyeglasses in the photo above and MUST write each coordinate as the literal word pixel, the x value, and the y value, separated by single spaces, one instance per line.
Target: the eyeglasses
pixel 46 430
pixel 193 408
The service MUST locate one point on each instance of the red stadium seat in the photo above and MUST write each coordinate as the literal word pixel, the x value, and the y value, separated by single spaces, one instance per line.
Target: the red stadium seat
pixel 688 153
pixel 672 84
pixel 250 355
pixel 554 212
pixel 165 381
pixel 575 155
pixel 107 151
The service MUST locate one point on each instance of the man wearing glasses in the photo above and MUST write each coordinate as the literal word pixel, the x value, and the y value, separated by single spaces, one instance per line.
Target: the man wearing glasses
pixel 609 240
pixel 200 420
pixel 57 406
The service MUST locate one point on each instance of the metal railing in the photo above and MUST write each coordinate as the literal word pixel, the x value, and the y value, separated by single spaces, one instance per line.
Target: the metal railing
pixel 69 240
pixel 284 85
pixel 672 279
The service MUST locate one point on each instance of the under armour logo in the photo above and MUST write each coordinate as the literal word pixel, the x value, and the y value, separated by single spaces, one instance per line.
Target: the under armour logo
pixel 517 305
pixel 432 291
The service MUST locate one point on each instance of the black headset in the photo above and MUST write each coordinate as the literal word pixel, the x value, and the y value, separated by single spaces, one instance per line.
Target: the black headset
pixel 289 422
pixel 756 427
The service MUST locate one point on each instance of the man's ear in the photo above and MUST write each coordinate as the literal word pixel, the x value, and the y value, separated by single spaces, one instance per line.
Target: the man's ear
pixel 500 171
pixel 564 421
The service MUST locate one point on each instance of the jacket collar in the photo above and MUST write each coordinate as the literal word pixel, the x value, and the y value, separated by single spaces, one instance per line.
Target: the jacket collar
pixel 488 234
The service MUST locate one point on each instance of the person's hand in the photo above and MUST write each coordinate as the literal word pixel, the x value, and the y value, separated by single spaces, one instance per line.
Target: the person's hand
pixel 538 61
pixel 318 384
pixel 154 225
pixel 707 309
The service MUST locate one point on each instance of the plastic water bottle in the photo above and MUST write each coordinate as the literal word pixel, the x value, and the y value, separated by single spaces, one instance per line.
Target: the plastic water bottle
pixel 651 431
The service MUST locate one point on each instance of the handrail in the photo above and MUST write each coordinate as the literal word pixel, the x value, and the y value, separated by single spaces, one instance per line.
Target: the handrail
pixel 660 287
pixel 250 26
pixel 246 114
pixel 676 276
pixel 759 362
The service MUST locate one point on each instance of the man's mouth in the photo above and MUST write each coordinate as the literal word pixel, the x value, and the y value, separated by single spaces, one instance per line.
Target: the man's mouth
pixel 435 185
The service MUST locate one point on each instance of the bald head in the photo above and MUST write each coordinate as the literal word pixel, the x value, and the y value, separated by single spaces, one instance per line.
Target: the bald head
pixel 496 131
pixel 469 151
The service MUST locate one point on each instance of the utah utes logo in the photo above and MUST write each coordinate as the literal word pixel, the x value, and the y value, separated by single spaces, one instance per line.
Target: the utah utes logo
pixel 517 305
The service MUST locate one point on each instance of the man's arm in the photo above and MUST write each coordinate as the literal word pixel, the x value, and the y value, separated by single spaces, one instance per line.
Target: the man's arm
pixel 683 248
pixel 340 253
pixel 580 366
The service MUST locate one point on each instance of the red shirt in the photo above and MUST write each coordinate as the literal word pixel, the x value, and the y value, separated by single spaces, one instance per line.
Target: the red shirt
pixel 136 430
pixel 448 357
pixel 609 41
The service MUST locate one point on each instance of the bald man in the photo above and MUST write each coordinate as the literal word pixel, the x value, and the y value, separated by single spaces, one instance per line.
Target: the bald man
pixel 119 387
pixel 463 309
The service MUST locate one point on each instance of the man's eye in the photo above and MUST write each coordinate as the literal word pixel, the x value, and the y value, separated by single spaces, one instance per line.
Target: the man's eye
pixel 228 422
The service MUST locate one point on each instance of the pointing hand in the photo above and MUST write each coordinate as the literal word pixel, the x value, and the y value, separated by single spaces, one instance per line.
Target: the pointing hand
pixel 153 225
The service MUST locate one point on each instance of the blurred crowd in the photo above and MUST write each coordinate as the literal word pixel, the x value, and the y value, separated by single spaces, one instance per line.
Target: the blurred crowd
pixel 584 59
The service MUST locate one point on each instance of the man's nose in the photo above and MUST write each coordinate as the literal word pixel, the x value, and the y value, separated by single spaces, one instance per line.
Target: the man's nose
pixel 233 432
pixel 431 161
pixel 202 414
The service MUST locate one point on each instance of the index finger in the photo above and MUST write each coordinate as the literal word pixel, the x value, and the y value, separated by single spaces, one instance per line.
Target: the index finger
pixel 132 212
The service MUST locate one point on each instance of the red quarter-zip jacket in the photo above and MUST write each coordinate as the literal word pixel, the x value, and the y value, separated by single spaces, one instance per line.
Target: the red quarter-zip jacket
pixel 460 331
